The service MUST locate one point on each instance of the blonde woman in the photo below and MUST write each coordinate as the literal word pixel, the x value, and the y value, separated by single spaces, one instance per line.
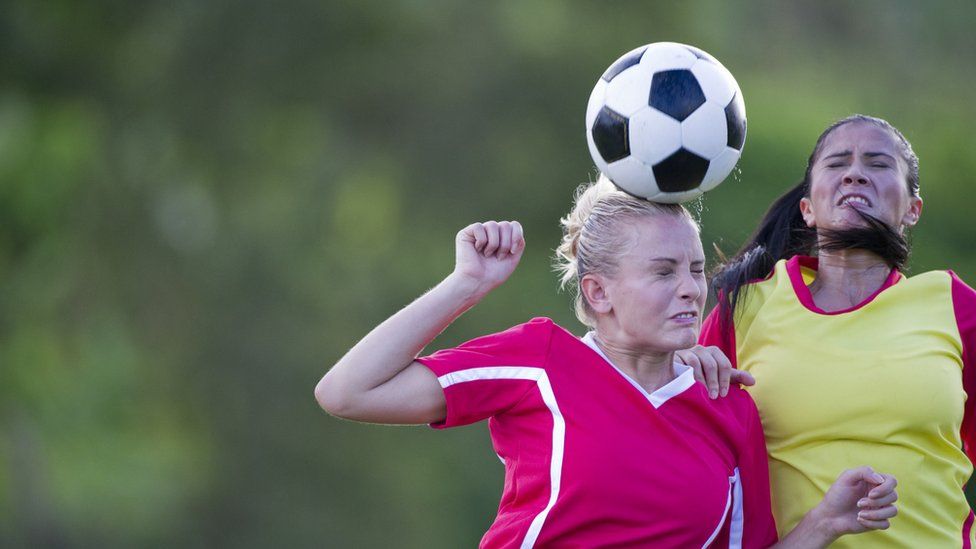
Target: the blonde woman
pixel 606 441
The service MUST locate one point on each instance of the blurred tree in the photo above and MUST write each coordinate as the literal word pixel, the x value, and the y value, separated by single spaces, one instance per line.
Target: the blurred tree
pixel 204 204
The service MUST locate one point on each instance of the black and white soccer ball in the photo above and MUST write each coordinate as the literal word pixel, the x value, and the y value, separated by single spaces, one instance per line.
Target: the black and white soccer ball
pixel 666 122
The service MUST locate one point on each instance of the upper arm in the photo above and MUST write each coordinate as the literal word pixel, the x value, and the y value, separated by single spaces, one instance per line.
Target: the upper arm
pixel 474 381
pixel 413 396
pixel 489 375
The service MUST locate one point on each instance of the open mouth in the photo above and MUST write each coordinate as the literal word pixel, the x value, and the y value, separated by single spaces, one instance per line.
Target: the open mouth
pixel 854 201
pixel 685 316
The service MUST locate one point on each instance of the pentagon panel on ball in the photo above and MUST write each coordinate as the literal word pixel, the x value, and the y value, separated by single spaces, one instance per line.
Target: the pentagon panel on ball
pixel 666 122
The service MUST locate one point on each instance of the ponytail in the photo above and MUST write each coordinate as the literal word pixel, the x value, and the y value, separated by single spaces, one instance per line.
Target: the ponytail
pixel 783 233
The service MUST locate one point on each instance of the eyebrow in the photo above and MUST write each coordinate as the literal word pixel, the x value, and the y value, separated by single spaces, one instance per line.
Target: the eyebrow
pixel 671 260
pixel 870 154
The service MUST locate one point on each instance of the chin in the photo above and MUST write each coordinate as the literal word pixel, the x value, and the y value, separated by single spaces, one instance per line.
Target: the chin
pixel 852 218
pixel 682 342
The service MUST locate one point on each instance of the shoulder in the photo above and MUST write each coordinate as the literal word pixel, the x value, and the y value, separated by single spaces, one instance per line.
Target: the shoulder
pixel 537 326
pixel 522 345
pixel 940 275
pixel 963 302
pixel 535 339
pixel 530 335
pixel 781 274
pixel 754 295
pixel 935 283
pixel 958 286
pixel 740 400
pixel 738 407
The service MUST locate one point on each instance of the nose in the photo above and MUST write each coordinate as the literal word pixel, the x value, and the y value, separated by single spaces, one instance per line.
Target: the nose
pixel 689 290
pixel 854 175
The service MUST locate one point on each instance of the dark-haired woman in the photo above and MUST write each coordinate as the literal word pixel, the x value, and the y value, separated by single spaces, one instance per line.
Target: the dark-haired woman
pixel 853 361
pixel 606 441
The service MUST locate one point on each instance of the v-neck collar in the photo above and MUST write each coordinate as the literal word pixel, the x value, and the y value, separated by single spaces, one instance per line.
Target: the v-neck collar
pixel 684 376
pixel 794 268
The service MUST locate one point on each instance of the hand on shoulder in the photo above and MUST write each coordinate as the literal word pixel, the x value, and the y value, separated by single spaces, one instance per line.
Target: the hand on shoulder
pixel 713 368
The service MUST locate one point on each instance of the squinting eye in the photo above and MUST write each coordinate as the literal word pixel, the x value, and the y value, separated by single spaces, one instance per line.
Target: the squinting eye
pixel 664 273
pixel 879 165
pixel 835 165
pixel 698 271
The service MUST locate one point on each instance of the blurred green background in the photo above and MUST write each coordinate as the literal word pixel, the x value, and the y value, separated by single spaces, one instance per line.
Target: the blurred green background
pixel 203 204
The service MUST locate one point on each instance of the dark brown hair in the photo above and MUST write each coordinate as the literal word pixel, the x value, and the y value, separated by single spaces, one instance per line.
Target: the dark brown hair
pixel 782 232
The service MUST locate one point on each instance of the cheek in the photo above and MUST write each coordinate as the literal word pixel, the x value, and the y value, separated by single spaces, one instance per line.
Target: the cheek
pixel 894 205
pixel 821 198
pixel 656 298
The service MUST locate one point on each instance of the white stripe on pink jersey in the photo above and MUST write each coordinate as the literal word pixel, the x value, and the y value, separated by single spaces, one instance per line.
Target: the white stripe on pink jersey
pixel 735 528
pixel 735 520
pixel 721 523
pixel 558 427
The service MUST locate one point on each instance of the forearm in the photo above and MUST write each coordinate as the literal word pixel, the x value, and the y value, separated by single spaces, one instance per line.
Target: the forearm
pixel 392 346
pixel 860 500
pixel 377 380
pixel 812 532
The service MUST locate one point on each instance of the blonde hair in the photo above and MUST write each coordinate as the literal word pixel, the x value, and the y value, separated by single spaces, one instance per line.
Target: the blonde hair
pixel 593 239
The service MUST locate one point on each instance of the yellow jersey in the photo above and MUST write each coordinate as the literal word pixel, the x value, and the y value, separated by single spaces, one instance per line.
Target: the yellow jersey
pixel 884 384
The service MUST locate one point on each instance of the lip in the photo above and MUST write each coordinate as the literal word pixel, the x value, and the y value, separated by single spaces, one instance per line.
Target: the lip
pixel 843 200
pixel 692 318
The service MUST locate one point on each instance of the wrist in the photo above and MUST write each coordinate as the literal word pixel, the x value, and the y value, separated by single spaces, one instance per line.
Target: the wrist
pixel 821 527
pixel 464 288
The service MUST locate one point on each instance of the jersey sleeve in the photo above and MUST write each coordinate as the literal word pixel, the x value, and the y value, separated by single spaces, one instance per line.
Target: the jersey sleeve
pixel 716 331
pixel 964 307
pixel 486 376
pixel 758 525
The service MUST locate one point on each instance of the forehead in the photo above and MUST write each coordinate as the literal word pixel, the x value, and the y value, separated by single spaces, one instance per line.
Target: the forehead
pixel 861 137
pixel 670 236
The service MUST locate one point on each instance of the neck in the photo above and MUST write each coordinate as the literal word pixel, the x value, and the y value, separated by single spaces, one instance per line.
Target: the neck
pixel 847 277
pixel 650 369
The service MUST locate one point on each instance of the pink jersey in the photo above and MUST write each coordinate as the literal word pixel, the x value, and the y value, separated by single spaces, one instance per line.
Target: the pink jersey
pixel 592 460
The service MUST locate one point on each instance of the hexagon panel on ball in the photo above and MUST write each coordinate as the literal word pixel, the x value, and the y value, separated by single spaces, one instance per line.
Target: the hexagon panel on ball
pixel 676 93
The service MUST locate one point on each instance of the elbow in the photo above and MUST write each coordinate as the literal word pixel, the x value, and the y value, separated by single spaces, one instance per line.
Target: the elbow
pixel 332 398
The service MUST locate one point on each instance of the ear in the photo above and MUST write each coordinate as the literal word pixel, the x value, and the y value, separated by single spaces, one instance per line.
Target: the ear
pixel 594 290
pixel 914 212
pixel 806 210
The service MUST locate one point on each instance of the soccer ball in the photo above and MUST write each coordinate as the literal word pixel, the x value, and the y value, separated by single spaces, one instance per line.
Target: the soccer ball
pixel 666 122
